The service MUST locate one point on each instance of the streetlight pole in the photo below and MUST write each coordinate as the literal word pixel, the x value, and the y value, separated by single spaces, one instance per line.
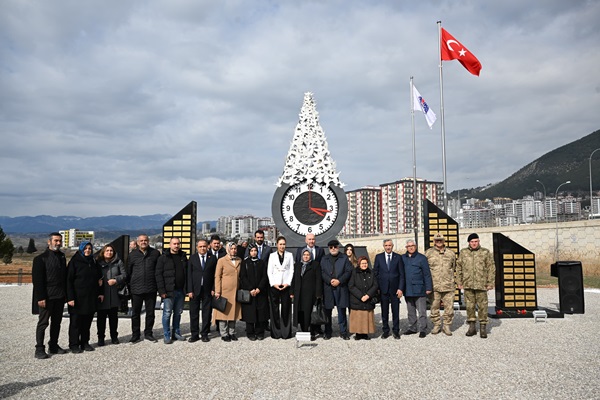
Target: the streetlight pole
pixel 556 197
pixel 544 186
pixel 591 192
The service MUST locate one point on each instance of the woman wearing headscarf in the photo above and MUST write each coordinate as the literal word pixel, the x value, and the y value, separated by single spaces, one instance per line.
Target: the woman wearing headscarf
pixel 308 287
pixel 349 250
pixel 253 277
pixel 113 278
pixel 84 289
pixel 363 288
pixel 226 285
pixel 280 270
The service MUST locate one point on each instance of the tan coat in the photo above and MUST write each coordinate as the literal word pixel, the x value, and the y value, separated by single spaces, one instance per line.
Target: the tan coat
pixel 226 283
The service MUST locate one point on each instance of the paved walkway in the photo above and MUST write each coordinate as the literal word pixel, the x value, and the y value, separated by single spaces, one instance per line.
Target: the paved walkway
pixel 520 359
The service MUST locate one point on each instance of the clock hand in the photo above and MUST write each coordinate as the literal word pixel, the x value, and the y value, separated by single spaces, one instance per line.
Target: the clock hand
pixel 319 211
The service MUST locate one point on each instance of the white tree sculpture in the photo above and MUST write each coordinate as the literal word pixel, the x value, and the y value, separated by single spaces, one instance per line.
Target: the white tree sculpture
pixel 309 158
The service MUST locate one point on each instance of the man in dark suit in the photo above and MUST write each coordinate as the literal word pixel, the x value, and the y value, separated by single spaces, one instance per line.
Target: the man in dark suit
pixel 263 249
pixel 200 287
pixel 49 278
pixel 216 248
pixel 335 271
pixel 316 251
pixel 389 270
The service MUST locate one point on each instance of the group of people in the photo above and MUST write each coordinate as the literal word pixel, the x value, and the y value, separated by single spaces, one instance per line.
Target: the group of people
pixel 257 285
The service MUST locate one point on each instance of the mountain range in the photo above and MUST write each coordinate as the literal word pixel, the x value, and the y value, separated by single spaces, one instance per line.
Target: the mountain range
pixel 566 163
pixel 116 223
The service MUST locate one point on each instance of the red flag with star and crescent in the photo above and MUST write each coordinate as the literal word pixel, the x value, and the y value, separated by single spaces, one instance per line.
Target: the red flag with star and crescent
pixel 452 49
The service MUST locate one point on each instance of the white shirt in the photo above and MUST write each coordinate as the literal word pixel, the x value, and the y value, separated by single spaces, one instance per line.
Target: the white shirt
pixel 280 274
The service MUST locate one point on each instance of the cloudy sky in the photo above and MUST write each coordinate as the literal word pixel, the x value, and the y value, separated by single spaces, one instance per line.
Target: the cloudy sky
pixel 139 107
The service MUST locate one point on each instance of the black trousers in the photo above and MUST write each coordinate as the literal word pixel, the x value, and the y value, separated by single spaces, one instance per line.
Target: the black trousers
pixel 113 322
pixel 79 329
pixel 49 315
pixel 137 300
pixel 281 313
pixel 255 328
pixel 204 302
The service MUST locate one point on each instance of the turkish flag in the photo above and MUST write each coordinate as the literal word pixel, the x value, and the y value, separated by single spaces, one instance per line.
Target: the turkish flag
pixel 452 49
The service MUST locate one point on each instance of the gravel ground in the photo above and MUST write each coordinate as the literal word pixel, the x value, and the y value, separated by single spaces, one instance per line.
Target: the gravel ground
pixel 520 359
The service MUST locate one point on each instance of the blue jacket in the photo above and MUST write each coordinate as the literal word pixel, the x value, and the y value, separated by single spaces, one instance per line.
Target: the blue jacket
pixel 417 274
pixel 338 296
pixel 392 280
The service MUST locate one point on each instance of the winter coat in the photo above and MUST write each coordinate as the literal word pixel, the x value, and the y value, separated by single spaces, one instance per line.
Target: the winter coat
pixel 340 271
pixel 49 278
pixel 166 274
pixel 141 271
pixel 417 274
pixel 475 269
pixel 83 275
pixel 361 283
pixel 113 269
pixel 253 275
pixel 306 288
pixel 226 283
pixel 442 265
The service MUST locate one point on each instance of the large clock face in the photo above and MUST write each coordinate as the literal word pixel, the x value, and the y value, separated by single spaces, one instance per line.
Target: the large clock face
pixel 309 208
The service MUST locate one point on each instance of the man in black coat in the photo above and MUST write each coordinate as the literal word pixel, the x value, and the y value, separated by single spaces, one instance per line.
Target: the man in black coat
pixel 141 268
pixel 171 269
pixel 49 277
pixel 216 248
pixel 336 270
pixel 201 288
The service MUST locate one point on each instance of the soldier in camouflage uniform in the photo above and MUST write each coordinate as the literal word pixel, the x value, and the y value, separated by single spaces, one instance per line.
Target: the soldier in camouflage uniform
pixel 442 262
pixel 475 273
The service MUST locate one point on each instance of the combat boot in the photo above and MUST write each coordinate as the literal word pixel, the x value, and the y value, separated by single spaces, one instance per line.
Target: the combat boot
pixel 447 330
pixel 472 330
pixel 436 329
pixel 483 331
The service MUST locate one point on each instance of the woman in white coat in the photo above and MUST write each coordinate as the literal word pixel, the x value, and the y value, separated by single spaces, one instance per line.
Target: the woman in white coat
pixel 280 270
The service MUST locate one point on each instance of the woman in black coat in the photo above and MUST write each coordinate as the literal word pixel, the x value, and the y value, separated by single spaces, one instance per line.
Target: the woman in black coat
pixel 363 288
pixel 307 288
pixel 253 277
pixel 113 278
pixel 84 280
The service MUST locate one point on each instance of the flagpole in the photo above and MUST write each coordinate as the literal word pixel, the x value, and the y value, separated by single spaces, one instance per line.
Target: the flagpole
pixel 415 199
pixel 439 23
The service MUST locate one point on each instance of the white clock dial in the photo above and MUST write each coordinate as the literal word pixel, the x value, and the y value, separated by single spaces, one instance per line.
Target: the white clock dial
pixel 309 208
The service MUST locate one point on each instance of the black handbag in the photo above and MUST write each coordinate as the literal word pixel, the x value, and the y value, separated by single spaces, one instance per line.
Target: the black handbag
pixel 243 296
pixel 219 304
pixel 318 316
pixel 124 292
pixel 374 300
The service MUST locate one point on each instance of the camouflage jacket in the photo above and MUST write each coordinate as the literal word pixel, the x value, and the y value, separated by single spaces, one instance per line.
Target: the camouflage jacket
pixel 475 269
pixel 442 265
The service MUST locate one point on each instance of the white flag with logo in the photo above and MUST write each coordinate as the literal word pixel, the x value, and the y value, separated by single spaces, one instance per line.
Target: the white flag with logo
pixel 421 105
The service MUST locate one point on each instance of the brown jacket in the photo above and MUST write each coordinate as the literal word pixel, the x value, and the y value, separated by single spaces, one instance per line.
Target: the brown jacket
pixel 226 283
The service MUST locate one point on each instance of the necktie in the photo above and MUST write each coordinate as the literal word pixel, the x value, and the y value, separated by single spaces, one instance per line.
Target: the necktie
pixel 389 258
pixel 259 251
pixel 203 262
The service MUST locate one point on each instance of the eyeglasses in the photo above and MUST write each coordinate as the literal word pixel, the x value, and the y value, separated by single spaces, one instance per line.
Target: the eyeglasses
pixel 333 247
pixel 410 245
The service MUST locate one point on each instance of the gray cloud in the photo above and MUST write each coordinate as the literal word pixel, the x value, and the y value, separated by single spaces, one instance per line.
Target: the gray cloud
pixel 140 107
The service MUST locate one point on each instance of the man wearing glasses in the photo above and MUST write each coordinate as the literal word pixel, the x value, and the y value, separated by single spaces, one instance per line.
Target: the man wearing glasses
pixel 418 286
